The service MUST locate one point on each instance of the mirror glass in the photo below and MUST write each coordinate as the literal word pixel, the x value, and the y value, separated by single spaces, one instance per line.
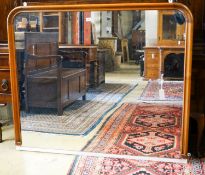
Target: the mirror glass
pixel 102 81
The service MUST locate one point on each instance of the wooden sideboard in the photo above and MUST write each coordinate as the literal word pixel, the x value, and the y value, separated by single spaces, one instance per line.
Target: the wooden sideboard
pixel 5 87
pixel 154 59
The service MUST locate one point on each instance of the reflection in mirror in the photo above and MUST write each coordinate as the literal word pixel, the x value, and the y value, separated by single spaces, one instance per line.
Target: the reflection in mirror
pixel 106 81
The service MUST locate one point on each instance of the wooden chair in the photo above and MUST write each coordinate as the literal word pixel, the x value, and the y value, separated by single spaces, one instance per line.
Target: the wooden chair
pixel 47 83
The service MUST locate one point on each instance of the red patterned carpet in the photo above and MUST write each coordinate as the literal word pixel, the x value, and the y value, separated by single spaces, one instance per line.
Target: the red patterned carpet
pixel 173 91
pixel 140 130
pixel 111 166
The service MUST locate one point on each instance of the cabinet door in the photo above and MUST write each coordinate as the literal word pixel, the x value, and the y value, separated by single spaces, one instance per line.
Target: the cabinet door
pixel 169 31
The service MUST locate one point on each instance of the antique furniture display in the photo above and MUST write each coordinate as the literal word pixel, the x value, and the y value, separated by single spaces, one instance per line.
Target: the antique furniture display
pixel 47 83
pixel 154 61
pixel 166 54
pixel 122 6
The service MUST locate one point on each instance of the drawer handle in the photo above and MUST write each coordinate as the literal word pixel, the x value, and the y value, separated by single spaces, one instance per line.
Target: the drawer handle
pixel 5 85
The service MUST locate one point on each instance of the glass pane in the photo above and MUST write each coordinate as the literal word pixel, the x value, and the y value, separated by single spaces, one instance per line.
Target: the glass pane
pixel 169 27
pixel 100 81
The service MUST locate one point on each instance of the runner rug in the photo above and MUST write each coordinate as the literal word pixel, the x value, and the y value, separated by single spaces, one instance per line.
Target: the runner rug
pixel 79 118
pixel 112 166
pixel 173 91
pixel 140 130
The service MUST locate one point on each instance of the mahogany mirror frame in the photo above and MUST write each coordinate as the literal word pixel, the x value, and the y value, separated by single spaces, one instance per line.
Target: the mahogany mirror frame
pixel 104 7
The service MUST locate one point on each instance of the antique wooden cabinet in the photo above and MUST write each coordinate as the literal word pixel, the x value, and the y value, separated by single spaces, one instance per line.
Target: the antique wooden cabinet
pixel 169 31
pixel 170 42
pixel 5 87
pixel 155 66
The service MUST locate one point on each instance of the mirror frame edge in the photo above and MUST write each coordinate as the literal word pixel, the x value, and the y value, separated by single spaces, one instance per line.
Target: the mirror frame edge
pixel 97 7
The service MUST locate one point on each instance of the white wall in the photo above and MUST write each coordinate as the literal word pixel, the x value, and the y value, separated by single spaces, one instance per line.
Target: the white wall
pixel 151 25
pixel 106 27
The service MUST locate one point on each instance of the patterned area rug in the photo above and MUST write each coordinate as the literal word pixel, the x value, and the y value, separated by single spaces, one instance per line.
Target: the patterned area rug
pixel 80 117
pixel 111 166
pixel 173 91
pixel 140 129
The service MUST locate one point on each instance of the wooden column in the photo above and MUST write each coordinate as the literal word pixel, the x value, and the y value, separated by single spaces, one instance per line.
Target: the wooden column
pixel 87 28
pixel 75 28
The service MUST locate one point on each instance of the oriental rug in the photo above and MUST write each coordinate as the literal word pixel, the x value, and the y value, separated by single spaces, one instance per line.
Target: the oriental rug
pixel 79 118
pixel 85 165
pixel 173 91
pixel 140 130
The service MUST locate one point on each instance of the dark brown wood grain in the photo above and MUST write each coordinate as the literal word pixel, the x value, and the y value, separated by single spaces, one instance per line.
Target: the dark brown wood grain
pixel 5 7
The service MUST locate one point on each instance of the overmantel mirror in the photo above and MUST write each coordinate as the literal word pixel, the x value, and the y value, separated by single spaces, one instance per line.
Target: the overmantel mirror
pixel 102 79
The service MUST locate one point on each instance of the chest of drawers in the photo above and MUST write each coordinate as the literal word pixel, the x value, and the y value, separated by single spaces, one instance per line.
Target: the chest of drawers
pixel 5 87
